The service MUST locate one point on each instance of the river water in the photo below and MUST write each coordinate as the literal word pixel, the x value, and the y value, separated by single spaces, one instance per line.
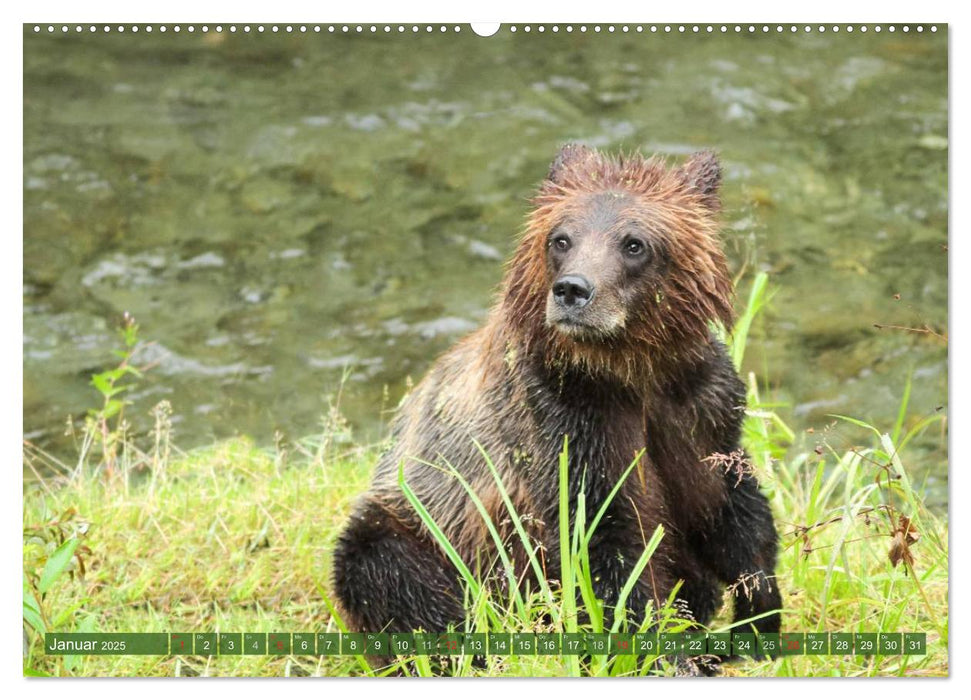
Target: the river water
pixel 286 214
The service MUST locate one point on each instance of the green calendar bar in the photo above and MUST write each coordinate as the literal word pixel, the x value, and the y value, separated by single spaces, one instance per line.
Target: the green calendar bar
pixel 622 644
pixel 744 644
pixel 573 645
pixel 695 643
pixel 378 644
pixel 646 644
pixel 792 644
pixel 769 644
pixel 720 643
pixel 304 643
pixel 450 644
pixel 524 644
pixel 488 644
pixel 548 644
pixel 476 643
pixel 841 643
pixel 230 643
pixel 328 643
pixel 106 644
pixel 499 644
pixel 817 643
pixel 403 644
pixel 598 643
pixel 205 643
pixel 915 643
pixel 670 643
pixel 353 644
pixel 890 644
pixel 426 644
pixel 278 643
pixel 254 643
pixel 181 643
pixel 865 643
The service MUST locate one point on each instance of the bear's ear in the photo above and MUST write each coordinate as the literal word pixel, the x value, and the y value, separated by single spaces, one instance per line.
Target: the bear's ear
pixel 703 174
pixel 570 155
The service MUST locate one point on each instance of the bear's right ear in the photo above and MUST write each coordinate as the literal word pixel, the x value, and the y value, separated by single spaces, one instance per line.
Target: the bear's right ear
pixel 569 156
pixel 703 174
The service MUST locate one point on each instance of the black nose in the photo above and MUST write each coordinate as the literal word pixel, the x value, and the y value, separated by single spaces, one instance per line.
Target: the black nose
pixel 572 291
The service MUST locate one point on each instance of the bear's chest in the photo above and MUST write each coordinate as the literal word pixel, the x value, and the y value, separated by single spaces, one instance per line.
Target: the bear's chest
pixel 601 426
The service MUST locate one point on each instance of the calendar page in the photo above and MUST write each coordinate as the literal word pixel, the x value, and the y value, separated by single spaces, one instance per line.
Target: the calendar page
pixel 511 350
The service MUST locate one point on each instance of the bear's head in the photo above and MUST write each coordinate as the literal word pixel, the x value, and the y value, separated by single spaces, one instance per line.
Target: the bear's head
pixel 620 267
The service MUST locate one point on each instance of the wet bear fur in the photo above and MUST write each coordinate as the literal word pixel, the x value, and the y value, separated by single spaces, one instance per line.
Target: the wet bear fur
pixel 634 368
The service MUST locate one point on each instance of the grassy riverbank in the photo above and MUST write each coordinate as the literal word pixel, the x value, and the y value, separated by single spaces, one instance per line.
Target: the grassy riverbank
pixel 233 538
pixel 236 538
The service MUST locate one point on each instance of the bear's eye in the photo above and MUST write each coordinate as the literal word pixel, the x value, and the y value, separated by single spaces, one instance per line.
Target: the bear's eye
pixel 633 247
pixel 560 243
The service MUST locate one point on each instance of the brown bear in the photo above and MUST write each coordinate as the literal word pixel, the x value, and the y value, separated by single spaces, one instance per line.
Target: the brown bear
pixel 602 333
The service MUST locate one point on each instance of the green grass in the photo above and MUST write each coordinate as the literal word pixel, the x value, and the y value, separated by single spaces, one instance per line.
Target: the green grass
pixel 234 538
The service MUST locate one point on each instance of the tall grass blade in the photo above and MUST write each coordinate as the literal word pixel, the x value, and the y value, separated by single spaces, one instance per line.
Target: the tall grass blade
pixel 902 412
pixel 521 531
pixel 335 616
pixel 568 585
pixel 610 497
pixel 756 300
pixel 620 612
pixel 507 564
pixel 437 533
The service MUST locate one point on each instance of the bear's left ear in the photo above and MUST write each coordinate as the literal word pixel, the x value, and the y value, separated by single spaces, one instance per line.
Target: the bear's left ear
pixel 703 174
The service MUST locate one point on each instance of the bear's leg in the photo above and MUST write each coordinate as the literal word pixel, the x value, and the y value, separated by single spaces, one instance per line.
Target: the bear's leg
pixel 740 547
pixel 388 578
pixel 700 590
pixel 612 560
